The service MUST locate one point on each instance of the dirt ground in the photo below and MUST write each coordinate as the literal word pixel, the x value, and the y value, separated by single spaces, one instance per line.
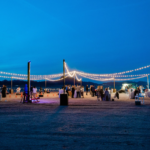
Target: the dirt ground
pixel 85 124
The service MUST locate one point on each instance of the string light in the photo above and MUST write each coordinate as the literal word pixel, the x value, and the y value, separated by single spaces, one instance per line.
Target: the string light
pixel 13 77
pixel 88 74
pixel 109 79
pixel 77 78
pixel 99 79
pixel 73 74
pixel 130 78
pixel 106 77
pixel 81 74
pixel 145 67
pixel 56 79
pixel 39 76
pixel 69 73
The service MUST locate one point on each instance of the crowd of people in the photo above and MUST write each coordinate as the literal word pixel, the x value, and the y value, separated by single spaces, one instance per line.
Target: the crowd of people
pixel 76 91
pixel 33 92
pixel 137 91
pixel 134 92
pixel 79 90
pixel 100 93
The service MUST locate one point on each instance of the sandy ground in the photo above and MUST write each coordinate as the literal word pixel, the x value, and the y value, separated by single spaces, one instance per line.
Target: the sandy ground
pixel 85 124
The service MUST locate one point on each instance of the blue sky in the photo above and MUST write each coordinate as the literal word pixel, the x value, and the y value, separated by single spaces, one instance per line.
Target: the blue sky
pixel 99 36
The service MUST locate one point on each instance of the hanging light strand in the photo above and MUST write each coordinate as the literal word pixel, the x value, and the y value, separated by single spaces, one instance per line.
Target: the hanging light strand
pixel 108 76
pixel 71 74
pixel 13 77
pixel 120 73
pixel 56 79
pixel 110 79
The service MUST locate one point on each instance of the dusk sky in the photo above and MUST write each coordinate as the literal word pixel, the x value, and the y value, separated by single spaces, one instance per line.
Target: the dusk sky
pixel 99 36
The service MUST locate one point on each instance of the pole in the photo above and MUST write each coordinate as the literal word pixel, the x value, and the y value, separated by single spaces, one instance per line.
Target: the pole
pixel 11 83
pixel 74 79
pixel 81 82
pixel 28 81
pixel 147 82
pixel 64 73
pixel 114 83
pixel 45 83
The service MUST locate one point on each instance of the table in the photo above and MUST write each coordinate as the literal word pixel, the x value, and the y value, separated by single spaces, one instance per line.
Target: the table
pixel 61 91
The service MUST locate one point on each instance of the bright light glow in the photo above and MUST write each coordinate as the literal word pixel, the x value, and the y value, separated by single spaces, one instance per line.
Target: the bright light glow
pixel 97 77
pixel 73 74
pixel 69 73
pixel 124 86
pixel 56 79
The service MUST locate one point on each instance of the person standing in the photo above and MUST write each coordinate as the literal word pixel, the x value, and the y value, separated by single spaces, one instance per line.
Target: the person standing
pixel 106 95
pixel 93 90
pixel 136 92
pixel 101 93
pixel 78 91
pixel 86 89
pixel 40 90
pixel 98 93
pixel 34 92
pixel 82 91
pixel 139 91
pixel 31 90
pixel 73 89
pixel 25 93
pixel 4 91
pixel 67 89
